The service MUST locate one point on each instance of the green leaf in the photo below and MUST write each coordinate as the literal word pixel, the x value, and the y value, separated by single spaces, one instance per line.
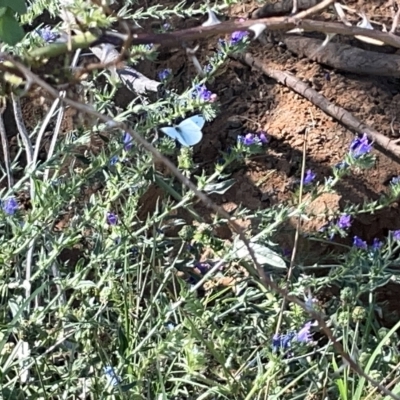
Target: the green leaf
pixel 10 30
pixel 17 6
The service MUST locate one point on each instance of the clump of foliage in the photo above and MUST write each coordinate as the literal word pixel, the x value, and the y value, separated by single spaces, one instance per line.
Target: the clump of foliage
pixel 100 299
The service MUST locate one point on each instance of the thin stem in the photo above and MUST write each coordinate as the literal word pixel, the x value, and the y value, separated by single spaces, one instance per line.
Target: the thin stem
pixel 6 153
pixel 59 119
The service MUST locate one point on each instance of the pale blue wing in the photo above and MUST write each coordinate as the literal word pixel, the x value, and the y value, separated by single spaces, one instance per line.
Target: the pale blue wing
pixel 171 132
pixel 188 133
pixel 197 119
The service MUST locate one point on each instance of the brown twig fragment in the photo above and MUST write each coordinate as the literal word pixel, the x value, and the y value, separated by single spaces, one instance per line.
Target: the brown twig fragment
pixel 396 16
pixel 314 10
pixel 320 101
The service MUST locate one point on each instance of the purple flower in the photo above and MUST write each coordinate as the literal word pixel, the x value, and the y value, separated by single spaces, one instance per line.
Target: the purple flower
pixel 167 26
pixel 47 34
pixel 304 335
pixel 287 252
pixel 396 235
pixel 282 341
pixel 114 160
pixel 344 221
pixel 310 176
pixel 237 37
pixel 395 180
pixel 112 218
pixel 202 267
pixel 208 68
pixel 264 139
pixel 203 93
pixel 377 244
pixel 342 165
pixel 360 146
pixel 10 206
pixel 164 74
pixel 221 43
pixel 128 141
pixel 361 244
pixel 112 378
pixel 249 139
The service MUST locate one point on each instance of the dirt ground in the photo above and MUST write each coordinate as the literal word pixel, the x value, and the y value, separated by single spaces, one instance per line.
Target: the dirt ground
pixel 250 101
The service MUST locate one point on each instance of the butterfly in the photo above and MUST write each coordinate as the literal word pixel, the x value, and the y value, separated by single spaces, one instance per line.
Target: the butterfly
pixel 188 132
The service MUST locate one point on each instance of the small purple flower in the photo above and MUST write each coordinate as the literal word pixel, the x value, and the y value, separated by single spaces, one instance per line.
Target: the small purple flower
pixel 344 221
pixel 114 160
pixel 304 335
pixel 377 244
pixel 264 139
pixel 310 303
pixel 128 141
pixel 283 342
pixel 112 378
pixel 167 26
pixel 204 94
pixel 164 74
pixel 396 235
pixel 208 68
pixel 202 267
pixel 237 37
pixel 287 252
pixel 360 146
pixel 10 206
pixel 310 176
pixel 361 244
pixel 342 165
pixel 221 43
pixel 395 180
pixel 112 218
pixel 47 34
pixel 149 46
pixel 249 139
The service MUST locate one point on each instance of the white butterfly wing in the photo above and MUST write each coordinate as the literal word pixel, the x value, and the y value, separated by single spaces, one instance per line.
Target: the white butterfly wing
pixel 171 132
pixel 197 119
pixel 189 133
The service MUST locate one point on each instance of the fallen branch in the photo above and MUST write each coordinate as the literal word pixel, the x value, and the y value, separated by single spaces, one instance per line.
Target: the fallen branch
pixel 177 38
pixel 345 57
pixel 320 101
